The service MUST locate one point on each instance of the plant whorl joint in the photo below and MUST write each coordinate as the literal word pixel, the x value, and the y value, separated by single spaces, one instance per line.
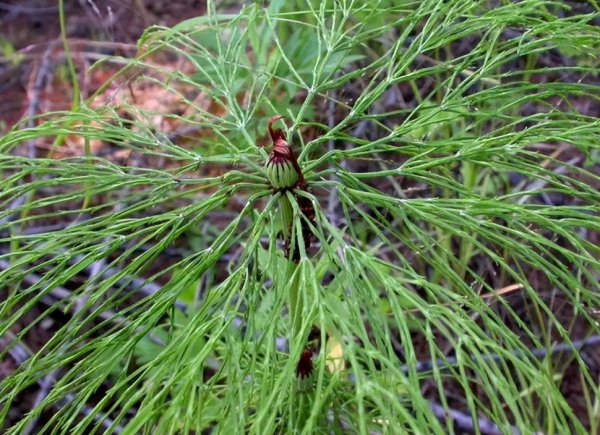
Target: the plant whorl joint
pixel 282 166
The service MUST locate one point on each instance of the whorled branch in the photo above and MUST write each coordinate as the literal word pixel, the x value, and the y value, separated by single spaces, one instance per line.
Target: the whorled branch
pixel 284 173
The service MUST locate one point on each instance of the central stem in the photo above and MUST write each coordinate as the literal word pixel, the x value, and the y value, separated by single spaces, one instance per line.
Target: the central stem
pixel 291 276
pixel 296 303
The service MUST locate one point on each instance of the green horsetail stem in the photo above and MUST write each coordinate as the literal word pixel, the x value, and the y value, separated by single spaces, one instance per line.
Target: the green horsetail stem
pixel 281 173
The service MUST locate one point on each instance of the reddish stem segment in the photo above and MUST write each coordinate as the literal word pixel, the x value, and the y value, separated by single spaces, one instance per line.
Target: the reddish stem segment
pixel 283 150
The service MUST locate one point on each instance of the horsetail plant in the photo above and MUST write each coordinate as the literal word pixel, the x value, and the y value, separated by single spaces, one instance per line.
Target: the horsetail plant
pixel 286 178
pixel 417 255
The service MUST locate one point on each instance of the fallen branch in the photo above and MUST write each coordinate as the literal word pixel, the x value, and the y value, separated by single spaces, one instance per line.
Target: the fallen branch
pixel 425 366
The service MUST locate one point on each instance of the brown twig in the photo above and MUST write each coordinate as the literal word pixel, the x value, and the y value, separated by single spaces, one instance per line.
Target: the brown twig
pixel 28 10
pixel 465 421
pixel 425 366
pixel 34 90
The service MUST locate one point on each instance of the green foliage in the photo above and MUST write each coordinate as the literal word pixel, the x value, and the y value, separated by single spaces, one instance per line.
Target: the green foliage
pixel 8 51
pixel 418 229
